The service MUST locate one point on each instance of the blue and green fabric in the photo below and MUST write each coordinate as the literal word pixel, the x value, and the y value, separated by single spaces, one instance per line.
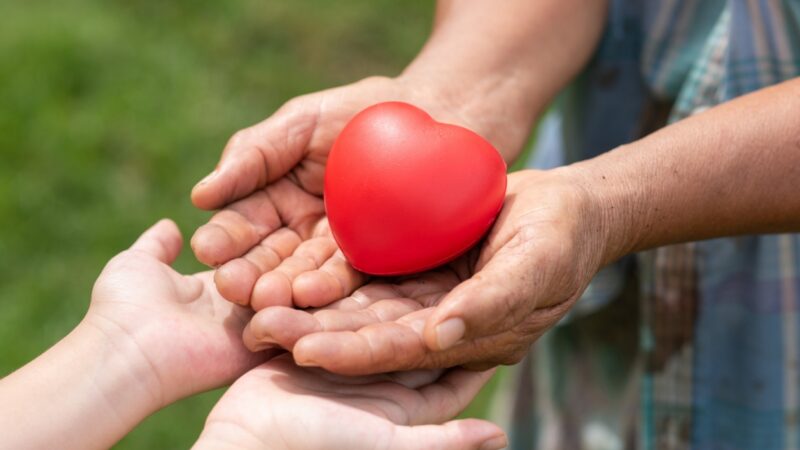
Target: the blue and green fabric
pixel 689 346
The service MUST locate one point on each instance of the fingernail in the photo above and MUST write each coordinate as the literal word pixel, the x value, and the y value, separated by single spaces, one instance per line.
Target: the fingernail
pixel 449 332
pixel 306 363
pixel 267 340
pixel 208 178
pixel 495 443
pixel 261 346
pixel 238 301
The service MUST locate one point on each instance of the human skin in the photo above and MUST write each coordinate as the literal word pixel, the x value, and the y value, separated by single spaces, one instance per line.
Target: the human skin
pixel 490 69
pixel 150 337
pixel 732 170
pixel 279 405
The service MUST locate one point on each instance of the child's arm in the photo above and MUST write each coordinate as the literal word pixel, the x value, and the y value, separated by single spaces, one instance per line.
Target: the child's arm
pixel 85 392
pixel 151 336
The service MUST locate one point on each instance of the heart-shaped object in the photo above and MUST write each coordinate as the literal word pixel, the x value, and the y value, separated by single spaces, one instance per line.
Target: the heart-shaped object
pixel 405 193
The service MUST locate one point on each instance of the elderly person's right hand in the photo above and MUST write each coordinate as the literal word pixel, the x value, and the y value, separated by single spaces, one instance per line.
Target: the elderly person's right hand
pixel 731 170
pixel 482 310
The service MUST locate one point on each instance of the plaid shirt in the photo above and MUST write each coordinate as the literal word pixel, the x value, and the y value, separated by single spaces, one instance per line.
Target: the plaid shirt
pixel 688 346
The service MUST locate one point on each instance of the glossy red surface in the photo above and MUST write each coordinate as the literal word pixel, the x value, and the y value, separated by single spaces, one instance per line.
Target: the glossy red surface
pixel 405 193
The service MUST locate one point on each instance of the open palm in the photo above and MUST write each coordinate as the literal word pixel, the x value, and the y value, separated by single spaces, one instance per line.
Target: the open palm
pixel 375 329
pixel 269 183
pixel 484 309
pixel 279 405
pixel 185 332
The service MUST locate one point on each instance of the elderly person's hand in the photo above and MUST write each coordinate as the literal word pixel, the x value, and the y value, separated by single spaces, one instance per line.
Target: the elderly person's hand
pixel 731 170
pixel 269 183
pixel 482 310
pixel 490 70
pixel 281 406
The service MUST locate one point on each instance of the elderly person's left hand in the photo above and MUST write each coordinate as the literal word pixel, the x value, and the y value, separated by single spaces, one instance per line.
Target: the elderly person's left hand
pixel 484 309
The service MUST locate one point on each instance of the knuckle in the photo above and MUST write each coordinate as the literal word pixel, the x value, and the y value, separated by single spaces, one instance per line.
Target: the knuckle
pixel 509 360
pixel 526 233
pixel 298 109
pixel 294 104
pixel 514 357
pixel 535 325
pixel 128 260
pixel 239 138
pixel 375 79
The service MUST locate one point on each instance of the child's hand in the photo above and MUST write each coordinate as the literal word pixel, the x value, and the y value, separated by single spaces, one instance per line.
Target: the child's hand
pixel 281 406
pixel 150 337
pixel 181 335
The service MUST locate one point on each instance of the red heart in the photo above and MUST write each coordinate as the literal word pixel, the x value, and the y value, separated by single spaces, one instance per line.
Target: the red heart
pixel 405 193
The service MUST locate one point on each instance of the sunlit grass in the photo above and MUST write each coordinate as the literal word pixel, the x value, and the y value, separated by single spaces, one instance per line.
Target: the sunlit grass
pixel 111 110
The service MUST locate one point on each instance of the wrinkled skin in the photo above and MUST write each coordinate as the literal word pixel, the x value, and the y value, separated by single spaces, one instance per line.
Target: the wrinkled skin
pixel 269 183
pixel 533 265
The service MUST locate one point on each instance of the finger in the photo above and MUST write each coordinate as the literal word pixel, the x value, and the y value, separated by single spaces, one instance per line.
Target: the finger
pixel 399 382
pixel 236 279
pixel 284 326
pixel 500 295
pixel 275 287
pixel 236 229
pixel 440 399
pixel 163 241
pixel 414 379
pixel 258 155
pixel 398 345
pixel 382 347
pixel 335 279
pixel 385 346
pixel 448 396
pixel 464 434
pixel 278 326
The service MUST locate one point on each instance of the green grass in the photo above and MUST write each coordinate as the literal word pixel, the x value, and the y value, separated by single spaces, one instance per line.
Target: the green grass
pixel 112 109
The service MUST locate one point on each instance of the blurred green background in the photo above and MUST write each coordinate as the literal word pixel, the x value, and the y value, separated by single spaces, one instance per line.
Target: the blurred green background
pixel 112 110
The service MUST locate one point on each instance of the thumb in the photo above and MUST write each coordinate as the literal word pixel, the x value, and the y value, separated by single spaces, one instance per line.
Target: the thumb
pixel 454 435
pixel 162 241
pixel 490 301
pixel 258 155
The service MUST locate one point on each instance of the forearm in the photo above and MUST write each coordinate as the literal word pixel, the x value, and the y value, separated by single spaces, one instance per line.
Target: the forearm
pixel 732 170
pixel 82 393
pixel 502 63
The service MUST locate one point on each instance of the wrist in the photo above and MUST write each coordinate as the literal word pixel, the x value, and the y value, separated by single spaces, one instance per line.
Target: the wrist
pixel 613 210
pixel 125 374
pixel 122 376
pixel 495 105
pixel 81 393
